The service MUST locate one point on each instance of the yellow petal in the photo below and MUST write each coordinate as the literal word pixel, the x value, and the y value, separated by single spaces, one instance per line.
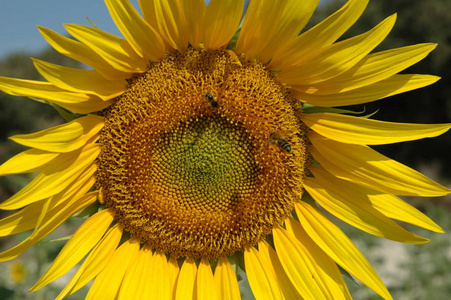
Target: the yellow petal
pixel 361 164
pixel 108 282
pixel 75 102
pixel 395 208
pixel 55 179
pixel 173 273
pixel 337 58
pixel 48 204
pixel 143 38
pixel 287 288
pixel 59 217
pixel 23 220
pixel 338 247
pixel 95 262
pixel 362 131
pixel 371 69
pixel 226 280
pixel 294 17
pixel 83 240
pixel 194 12
pixel 82 53
pixel 161 287
pixel 63 138
pixel 258 26
pixel 80 81
pixel 328 269
pixel 390 205
pixel 261 277
pixel 354 210
pixel 301 267
pixel 221 22
pixel 393 85
pixel 137 278
pixel 167 18
pixel 28 161
pixel 186 280
pixel 205 288
pixel 318 37
pixel 81 185
pixel 116 51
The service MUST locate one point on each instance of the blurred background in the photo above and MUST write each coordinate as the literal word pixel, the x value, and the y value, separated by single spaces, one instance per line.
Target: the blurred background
pixel 410 271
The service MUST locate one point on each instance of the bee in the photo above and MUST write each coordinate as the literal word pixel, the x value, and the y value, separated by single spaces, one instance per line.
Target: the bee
pixel 212 100
pixel 276 138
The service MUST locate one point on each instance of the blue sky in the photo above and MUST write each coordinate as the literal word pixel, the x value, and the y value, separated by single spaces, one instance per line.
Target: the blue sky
pixel 18 20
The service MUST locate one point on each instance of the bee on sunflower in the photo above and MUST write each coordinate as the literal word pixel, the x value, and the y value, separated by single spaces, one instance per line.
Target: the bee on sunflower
pixel 172 139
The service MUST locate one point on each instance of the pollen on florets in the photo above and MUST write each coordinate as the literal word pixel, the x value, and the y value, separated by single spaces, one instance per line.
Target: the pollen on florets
pixel 197 178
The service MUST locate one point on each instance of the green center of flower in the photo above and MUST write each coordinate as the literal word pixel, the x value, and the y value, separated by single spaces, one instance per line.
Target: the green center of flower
pixel 203 155
pixel 206 164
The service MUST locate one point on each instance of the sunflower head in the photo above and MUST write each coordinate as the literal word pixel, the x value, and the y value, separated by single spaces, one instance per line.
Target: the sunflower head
pixel 196 140
pixel 187 153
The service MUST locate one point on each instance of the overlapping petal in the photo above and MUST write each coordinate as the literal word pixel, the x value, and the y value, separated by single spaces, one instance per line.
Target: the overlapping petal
pixel 108 283
pixel 83 240
pixel 318 37
pixel 393 85
pixel 82 53
pixel 80 81
pixel 194 13
pixel 56 219
pixel 361 164
pixel 356 211
pixel 396 208
pixel 173 273
pixel 143 38
pixel 75 102
pixel 261 276
pixel 136 283
pixel 114 50
pixel 22 220
pixel 308 273
pixel 95 262
pixel 186 280
pixel 63 172
pixel 167 18
pixel 32 160
pixel 287 288
pixel 205 288
pixel 337 58
pixel 257 33
pixel 339 247
pixel 226 281
pixel 363 131
pixel 162 287
pixel 218 28
pixel 63 138
pixel 293 18
pixel 371 69
pixel 327 269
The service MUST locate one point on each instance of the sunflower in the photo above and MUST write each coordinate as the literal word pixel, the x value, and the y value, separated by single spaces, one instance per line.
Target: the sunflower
pixel 206 145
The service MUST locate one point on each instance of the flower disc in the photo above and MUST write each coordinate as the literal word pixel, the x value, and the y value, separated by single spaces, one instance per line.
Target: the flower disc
pixel 187 161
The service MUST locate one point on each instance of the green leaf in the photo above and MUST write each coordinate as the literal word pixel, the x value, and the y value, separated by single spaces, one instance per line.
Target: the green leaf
pixel 311 109
pixel 88 210
pixel 64 238
pixel 349 276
